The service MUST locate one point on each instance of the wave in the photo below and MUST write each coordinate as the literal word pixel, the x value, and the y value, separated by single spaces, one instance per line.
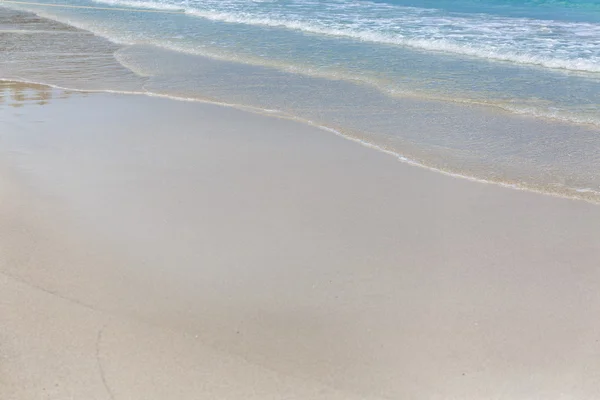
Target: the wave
pixel 576 46
pixel 152 5
pixel 540 110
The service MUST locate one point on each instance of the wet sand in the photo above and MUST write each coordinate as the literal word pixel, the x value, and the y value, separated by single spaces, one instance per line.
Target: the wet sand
pixel 154 249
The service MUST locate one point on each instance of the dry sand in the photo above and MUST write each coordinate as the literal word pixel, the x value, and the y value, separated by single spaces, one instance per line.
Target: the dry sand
pixel 153 249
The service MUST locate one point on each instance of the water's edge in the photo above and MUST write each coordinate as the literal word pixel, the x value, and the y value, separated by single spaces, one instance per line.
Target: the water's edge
pixel 356 135
pixel 275 114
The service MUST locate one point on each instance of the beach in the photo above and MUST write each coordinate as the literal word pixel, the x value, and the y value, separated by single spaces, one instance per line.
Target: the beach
pixel 161 249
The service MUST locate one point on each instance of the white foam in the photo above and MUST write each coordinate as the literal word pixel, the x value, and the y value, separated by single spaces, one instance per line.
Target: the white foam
pixel 540 111
pixel 588 190
pixel 143 4
pixel 519 40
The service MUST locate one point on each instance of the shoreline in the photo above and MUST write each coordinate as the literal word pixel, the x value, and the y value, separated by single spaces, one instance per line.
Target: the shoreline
pixel 583 194
pixel 222 253
pixel 471 141
pixel 370 82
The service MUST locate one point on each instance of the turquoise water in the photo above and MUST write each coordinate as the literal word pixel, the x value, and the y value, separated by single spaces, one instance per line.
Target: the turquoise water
pixel 505 91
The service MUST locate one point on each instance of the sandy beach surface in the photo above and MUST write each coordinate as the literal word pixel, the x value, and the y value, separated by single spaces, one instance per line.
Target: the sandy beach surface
pixel 156 249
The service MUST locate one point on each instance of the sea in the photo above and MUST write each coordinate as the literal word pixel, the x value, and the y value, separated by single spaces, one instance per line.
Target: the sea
pixel 498 91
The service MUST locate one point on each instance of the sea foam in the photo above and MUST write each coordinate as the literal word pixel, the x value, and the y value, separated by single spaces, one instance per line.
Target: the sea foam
pixel 553 44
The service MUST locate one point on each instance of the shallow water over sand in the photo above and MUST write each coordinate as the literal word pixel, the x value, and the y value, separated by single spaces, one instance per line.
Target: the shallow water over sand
pixel 464 139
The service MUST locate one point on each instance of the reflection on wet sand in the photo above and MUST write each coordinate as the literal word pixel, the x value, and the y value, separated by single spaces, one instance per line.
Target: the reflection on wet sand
pixel 18 94
pixel 36 49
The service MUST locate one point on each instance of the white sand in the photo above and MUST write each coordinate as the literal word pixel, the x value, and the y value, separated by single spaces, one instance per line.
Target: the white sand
pixel 152 249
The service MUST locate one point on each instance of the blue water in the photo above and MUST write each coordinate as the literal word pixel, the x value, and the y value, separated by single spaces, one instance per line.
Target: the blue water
pixel 574 10
pixel 535 63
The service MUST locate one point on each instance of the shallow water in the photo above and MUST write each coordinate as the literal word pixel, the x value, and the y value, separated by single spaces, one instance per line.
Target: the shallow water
pixel 498 91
